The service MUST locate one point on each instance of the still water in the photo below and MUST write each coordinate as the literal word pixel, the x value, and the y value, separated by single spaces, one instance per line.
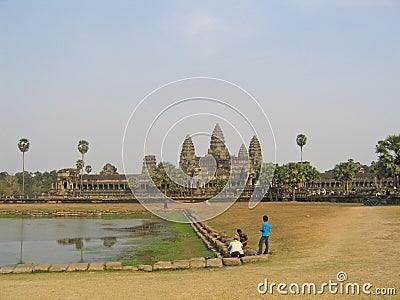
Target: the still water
pixel 68 240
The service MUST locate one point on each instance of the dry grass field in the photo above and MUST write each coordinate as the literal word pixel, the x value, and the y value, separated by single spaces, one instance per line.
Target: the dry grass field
pixel 310 242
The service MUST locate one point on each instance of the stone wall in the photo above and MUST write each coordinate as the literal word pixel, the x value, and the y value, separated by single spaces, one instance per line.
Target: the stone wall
pixel 64 213
pixel 216 241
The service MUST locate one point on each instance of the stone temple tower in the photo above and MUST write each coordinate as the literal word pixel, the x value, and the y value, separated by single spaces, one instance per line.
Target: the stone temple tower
pixel 240 167
pixel 255 155
pixel 220 152
pixel 188 161
pixel 243 152
pixel 149 163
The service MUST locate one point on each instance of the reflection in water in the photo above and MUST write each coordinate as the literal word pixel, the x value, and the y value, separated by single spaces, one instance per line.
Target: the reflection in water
pixel 71 240
pixel 74 241
pixel 22 239
pixel 78 242
pixel 20 253
pixel 109 241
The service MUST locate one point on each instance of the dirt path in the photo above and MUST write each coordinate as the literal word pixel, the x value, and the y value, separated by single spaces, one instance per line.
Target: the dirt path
pixel 361 241
pixel 362 236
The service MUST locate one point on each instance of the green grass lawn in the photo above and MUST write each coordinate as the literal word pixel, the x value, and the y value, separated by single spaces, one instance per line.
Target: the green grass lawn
pixel 171 242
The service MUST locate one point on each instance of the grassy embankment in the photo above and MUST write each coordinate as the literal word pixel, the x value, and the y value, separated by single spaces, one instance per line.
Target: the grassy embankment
pixel 169 242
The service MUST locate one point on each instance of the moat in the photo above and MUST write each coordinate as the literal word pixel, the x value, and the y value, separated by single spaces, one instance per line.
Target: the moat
pixel 62 240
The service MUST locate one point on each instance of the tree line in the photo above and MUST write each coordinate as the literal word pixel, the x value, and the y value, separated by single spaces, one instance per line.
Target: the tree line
pixel 292 174
pixel 34 183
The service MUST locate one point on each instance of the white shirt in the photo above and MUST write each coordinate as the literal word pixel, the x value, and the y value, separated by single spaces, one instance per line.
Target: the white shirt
pixel 235 246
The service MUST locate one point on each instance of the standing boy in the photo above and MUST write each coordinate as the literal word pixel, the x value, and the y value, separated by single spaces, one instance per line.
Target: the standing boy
pixel 265 229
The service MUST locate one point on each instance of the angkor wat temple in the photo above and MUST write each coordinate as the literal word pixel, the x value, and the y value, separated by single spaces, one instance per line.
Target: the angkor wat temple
pixel 205 174
pixel 226 165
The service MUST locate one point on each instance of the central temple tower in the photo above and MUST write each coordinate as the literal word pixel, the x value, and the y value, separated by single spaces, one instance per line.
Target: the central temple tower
pixel 251 159
pixel 220 153
pixel 188 161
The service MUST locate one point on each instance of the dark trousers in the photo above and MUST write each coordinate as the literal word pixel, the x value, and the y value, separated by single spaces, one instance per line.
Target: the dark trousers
pixel 236 254
pixel 263 240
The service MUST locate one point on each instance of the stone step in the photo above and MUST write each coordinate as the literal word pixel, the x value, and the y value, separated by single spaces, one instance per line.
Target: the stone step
pixel 41 268
pixel 78 267
pixel 214 263
pixel 96 266
pixel 114 265
pixel 180 264
pixel 162 265
pixel 197 262
pixel 231 261
pixel 58 268
pixel 23 269
pixel 147 268
pixel 6 270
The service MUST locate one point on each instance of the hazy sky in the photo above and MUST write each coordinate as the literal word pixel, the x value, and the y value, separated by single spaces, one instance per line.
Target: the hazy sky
pixel 72 70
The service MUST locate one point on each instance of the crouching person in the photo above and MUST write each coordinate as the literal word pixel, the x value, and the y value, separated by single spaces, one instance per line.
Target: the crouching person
pixel 235 248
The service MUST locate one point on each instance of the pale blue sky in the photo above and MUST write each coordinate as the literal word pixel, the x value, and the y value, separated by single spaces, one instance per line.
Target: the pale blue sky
pixel 72 70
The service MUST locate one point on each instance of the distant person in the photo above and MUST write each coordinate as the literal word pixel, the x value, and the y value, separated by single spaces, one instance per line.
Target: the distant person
pixel 265 229
pixel 235 248
pixel 242 237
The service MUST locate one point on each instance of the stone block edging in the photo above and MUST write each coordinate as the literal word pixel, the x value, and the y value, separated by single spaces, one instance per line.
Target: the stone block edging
pixel 193 263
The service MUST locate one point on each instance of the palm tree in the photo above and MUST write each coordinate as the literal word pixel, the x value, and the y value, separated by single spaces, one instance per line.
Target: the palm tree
pixel 301 141
pixel 344 172
pixel 79 166
pixel 388 152
pixel 88 169
pixel 23 146
pixel 83 147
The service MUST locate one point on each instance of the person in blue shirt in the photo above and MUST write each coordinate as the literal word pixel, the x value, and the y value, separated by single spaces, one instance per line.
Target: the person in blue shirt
pixel 265 229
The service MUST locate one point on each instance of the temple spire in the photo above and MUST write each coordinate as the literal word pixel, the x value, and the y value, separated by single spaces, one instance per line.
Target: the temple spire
pixel 217 132
pixel 243 152
pixel 255 154
pixel 220 152
pixel 188 161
